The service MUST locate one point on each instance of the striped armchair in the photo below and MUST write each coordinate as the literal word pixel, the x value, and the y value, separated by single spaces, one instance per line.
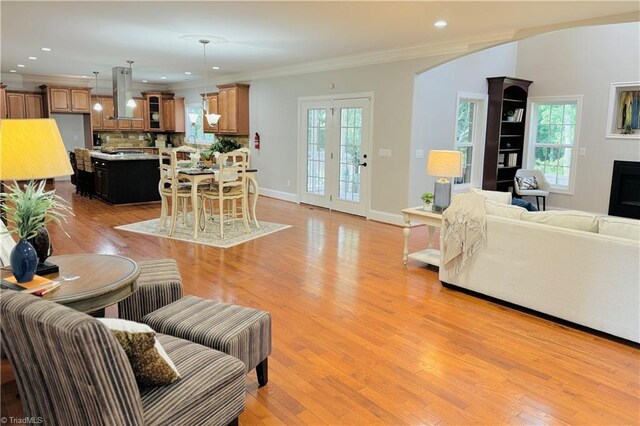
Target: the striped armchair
pixel 71 371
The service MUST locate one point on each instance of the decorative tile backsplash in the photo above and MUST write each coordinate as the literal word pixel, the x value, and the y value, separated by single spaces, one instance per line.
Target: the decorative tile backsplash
pixel 138 140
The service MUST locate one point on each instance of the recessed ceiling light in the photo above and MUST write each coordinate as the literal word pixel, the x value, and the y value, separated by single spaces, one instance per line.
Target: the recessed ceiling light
pixel 84 76
pixel 33 58
pixel 21 65
pixel 163 78
pixel 45 49
pixel 215 68
pixel 13 71
pixel 144 81
pixel 187 72
pixel 440 24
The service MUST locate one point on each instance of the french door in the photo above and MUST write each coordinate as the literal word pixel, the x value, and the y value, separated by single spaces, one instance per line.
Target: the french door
pixel 335 158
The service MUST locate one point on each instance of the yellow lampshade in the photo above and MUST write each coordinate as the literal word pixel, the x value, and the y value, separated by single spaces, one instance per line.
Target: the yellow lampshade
pixel 32 149
pixel 444 163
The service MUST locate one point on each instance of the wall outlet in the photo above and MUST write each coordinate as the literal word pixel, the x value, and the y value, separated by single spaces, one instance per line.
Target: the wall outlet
pixel 288 183
pixel 140 138
pixel 108 137
pixel 384 153
pixel 419 153
pixel 583 151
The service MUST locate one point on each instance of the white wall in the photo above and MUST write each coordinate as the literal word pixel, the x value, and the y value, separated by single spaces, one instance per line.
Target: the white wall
pixel 71 128
pixel 585 61
pixel 434 106
pixel 273 110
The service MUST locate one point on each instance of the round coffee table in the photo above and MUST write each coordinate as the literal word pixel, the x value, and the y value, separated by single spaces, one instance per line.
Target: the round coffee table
pixel 103 280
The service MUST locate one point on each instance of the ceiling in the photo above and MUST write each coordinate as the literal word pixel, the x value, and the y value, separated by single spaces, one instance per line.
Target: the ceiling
pixel 162 37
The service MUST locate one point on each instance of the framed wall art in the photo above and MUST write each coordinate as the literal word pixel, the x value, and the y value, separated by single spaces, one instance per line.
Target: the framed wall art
pixel 623 119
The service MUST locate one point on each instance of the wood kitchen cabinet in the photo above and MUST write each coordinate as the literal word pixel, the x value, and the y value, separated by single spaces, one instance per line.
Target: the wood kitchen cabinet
pixel 138 112
pixel 99 119
pixel 173 114
pixel 212 99
pixel 67 99
pixel 233 107
pixel 24 105
pixel 153 114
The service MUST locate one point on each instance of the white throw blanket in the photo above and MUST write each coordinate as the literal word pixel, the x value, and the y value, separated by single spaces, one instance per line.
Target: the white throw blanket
pixel 464 227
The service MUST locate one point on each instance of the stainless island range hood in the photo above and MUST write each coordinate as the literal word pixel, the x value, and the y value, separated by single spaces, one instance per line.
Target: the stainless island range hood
pixel 123 103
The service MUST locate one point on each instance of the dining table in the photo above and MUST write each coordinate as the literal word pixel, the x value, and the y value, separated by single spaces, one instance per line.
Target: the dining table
pixel 196 176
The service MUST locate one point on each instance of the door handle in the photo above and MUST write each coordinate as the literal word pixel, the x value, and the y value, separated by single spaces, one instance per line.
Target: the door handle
pixel 363 164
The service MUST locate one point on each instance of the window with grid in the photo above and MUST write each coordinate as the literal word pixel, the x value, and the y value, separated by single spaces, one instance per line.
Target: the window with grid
pixel 470 123
pixel 316 132
pixel 553 140
pixel 465 135
pixel 196 130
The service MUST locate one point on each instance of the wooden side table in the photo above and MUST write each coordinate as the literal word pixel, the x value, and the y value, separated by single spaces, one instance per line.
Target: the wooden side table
pixel 102 280
pixel 433 220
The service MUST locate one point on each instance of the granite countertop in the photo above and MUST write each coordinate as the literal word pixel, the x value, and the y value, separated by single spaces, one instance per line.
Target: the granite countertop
pixel 123 156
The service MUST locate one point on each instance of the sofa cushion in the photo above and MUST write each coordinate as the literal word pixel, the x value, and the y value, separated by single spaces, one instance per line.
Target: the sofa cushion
pixel 497 196
pixel 571 219
pixel 619 227
pixel 150 363
pixel 503 210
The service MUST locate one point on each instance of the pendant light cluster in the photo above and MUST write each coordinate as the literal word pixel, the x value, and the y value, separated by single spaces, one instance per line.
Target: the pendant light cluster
pixel 212 119
pixel 98 105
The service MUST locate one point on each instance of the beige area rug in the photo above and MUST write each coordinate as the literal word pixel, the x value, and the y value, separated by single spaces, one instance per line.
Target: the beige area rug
pixel 234 234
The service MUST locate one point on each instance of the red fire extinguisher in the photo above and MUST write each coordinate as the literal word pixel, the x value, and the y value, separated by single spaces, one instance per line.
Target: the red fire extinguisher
pixel 256 141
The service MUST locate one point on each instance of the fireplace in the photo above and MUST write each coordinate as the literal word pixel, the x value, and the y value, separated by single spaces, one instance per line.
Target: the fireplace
pixel 625 189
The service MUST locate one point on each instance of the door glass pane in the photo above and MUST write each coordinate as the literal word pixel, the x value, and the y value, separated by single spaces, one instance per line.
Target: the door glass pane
pixel 316 126
pixel 350 142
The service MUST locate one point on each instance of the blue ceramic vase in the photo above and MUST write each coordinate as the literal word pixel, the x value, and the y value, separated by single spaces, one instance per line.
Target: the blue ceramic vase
pixel 24 261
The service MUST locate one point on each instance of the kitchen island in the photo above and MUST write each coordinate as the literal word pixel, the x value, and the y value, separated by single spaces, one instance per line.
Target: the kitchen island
pixel 126 177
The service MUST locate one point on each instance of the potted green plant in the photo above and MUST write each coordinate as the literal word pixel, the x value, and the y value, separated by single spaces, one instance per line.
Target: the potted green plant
pixel 225 145
pixel 511 116
pixel 28 210
pixel 427 198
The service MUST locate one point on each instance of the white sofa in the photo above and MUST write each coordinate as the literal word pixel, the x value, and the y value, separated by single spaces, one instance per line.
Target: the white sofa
pixel 575 266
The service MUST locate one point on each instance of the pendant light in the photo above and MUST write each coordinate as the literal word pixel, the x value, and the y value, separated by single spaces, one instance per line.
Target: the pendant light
pixel 131 103
pixel 212 119
pixel 98 105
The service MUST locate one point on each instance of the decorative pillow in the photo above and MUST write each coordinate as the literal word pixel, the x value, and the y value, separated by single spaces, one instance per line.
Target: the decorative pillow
pixel 619 227
pixel 497 196
pixel 150 363
pixel 527 182
pixel 503 210
pixel 571 219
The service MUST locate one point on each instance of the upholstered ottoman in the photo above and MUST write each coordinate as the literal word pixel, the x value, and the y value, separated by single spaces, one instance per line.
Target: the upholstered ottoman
pixel 244 333
pixel 159 284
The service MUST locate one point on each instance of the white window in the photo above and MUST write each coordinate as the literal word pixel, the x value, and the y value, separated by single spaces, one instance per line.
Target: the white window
pixel 196 130
pixel 469 137
pixel 553 139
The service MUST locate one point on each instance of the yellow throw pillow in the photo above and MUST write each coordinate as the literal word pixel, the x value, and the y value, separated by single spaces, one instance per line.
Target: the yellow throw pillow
pixel 150 363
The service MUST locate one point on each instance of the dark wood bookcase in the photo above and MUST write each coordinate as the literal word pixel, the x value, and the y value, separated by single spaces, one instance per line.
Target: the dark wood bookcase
pixel 504 146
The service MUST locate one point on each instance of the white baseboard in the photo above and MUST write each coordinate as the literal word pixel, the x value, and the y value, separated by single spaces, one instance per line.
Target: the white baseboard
pixel 391 218
pixel 280 195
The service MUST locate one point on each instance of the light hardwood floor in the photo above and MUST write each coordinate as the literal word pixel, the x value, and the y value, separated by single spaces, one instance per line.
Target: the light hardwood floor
pixel 359 338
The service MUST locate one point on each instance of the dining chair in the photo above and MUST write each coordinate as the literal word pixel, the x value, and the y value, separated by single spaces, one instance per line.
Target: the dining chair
pixel 79 170
pixel 89 177
pixel 170 186
pixel 230 186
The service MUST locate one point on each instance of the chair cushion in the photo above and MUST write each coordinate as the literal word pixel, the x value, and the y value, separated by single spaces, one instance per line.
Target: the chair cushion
pixel 571 219
pixel 619 227
pixel 211 390
pixel 150 363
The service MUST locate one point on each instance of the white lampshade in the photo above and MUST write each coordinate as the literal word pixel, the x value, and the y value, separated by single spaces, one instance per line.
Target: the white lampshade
pixel 444 163
pixel 193 119
pixel 212 119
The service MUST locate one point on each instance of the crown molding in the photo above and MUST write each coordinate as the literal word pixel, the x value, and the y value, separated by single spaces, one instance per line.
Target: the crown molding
pixel 20 81
pixel 424 50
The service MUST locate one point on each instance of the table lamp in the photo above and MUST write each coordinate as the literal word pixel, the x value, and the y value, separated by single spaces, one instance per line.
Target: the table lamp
pixel 32 150
pixel 443 164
